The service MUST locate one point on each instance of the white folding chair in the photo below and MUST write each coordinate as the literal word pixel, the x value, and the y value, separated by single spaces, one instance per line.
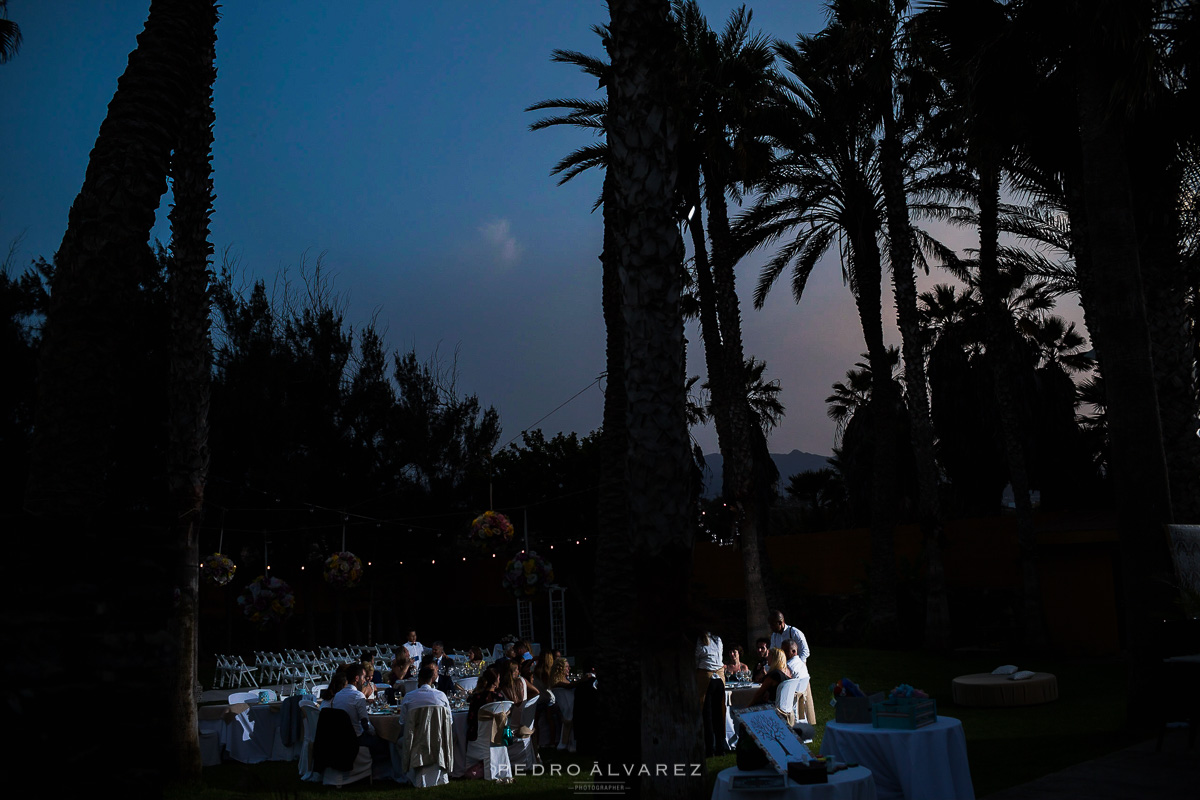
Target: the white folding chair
pixel 496 764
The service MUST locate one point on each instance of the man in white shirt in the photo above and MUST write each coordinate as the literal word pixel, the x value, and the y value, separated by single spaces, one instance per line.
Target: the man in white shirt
pixel 782 632
pixel 352 701
pixel 426 694
pixel 795 664
pixel 415 649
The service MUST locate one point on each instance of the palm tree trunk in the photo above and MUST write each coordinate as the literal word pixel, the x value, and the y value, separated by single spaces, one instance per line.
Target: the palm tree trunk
pixel 188 385
pixel 615 592
pixel 643 139
pixel 107 230
pixel 1002 358
pixel 937 609
pixel 1137 457
pixel 741 467
pixel 868 298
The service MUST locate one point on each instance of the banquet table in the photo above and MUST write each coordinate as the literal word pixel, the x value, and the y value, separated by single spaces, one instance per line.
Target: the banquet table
pixel 928 763
pixel 249 732
pixel 986 689
pixel 855 783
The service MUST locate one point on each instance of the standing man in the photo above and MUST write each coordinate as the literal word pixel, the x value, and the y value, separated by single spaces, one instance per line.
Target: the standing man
pixel 782 632
pixel 710 680
pixel 415 649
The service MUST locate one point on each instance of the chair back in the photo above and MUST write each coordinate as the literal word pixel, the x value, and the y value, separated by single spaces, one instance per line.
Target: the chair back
pixel 467 684
pixel 785 696
pixel 497 652
pixel 334 744
pixel 529 712
pixel 497 707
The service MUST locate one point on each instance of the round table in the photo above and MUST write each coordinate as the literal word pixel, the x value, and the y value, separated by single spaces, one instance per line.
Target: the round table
pixel 986 689
pixel 929 762
pixel 855 783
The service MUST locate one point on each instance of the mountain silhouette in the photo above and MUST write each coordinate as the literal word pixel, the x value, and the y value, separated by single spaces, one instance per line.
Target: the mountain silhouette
pixel 788 463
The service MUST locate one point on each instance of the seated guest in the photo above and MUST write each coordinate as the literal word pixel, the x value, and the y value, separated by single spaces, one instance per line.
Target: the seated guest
pixel 560 674
pixel 542 668
pixel 367 659
pixel 426 694
pixel 475 659
pixel 776 674
pixel 486 691
pixel 522 651
pixel 763 646
pixel 336 684
pixel 733 662
pixel 795 666
pixel 350 699
pixel 444 663
pixel 526 670
pixel 402 669
pixel 513 686
pixel 510 652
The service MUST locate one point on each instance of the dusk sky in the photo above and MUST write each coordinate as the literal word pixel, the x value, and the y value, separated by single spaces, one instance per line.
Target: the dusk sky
pixel 391 137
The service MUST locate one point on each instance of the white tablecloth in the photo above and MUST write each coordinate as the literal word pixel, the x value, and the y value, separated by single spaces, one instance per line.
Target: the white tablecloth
pixel 855 783
pixel 928 763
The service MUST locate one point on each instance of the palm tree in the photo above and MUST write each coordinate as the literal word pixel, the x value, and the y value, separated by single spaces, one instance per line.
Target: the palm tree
pixel 869 36
pixel 644 136
pixel 978 54
pixel 822 188
pixel 10 35
pixel 728 84
pixel 190 371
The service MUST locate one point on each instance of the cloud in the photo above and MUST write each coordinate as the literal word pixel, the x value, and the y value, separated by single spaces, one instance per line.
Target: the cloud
pixel 504 244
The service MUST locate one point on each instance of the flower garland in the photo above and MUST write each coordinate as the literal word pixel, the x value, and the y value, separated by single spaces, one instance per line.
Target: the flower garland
pixel 218 569
pixel 267 600
pixel 491 530
pixel 527 574
pixel 343 570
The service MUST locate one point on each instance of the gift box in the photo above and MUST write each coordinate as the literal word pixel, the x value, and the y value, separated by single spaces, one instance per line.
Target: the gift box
pixel 855 710
pixel 813 771
pixel 904 713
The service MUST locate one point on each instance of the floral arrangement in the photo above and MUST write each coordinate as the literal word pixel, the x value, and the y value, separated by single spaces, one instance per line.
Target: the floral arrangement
pixel 343 570
pixel 904 692
pixel 267 600
pixel 218 569
pixel 491 530
pixel 846 688
pixel 527 574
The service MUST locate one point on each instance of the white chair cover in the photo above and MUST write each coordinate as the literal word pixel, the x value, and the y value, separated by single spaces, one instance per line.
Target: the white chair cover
pixel 210 743
pixel 785 699
pixel 496 764
pixel 524 750
pixel 564 700
pixel 467 684
pixel 311 713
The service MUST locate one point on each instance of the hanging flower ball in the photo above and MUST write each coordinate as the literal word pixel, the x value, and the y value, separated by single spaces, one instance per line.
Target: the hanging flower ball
pixel 218 569
pixel 343 570
pixel 527 574
pixel 267 600
pixel 491 530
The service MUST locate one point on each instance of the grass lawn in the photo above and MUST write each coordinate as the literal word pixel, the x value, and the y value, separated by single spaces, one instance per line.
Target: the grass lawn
pixel 1005 746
